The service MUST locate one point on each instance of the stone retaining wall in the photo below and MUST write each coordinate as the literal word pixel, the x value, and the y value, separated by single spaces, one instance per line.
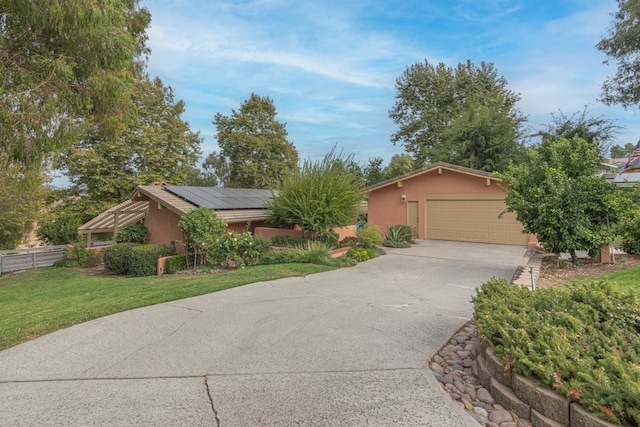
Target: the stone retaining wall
pixel 521 395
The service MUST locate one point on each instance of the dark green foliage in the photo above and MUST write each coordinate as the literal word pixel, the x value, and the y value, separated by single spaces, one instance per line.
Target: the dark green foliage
pixel 236 250
pixel 360 254
pixel 398 236
pixel 582 340
pixel 144 259
pixel 312 251
pixel 83 255
pixel 175 263
pixel 117 258
pixel 133 233
pixel 463 115
pixel 66 263
pixel 348 241
pixel 630 234
pixel 200 228
pixel 287 241
pixel 60 231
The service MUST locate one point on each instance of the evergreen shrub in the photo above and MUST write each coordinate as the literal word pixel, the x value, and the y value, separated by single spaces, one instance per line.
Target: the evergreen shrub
pixel 582 340
pixel 175 263
pixel 144 258
pixel 118 257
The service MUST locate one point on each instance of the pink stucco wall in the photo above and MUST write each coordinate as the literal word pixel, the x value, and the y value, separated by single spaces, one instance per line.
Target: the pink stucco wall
pixel 386 208
pixel 163 226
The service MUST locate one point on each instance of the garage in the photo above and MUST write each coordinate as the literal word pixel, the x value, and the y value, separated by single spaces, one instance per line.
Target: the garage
pixel 472 218
pixel 446 202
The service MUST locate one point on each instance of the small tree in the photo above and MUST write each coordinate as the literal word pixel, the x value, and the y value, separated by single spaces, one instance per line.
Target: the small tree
pixel 559 197
pixel 200 227
pixel 320 196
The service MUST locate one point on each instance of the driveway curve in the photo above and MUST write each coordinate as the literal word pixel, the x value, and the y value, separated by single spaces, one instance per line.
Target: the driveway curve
pixel 348 347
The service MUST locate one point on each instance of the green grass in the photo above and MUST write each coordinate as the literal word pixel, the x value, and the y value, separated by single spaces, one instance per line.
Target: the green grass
pixel 625 279
pixel 40 301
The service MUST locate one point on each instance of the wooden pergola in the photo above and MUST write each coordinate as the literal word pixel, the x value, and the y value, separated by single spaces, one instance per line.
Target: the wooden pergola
pixel 115 219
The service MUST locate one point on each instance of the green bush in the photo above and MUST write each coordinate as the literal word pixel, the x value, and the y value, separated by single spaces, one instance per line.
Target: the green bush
pixel 236 250
pixel 60 231
pixel 348 241
pixel 279 257
pixel 118 257
pixel 630 236
pixel 360 254
pixel 369 236
pixel 84 256
pixel 144 258
pixel 133 233
pixel 582 340
pixel 66 263
pixel 287 241
pixel 175 263
pixel 313 252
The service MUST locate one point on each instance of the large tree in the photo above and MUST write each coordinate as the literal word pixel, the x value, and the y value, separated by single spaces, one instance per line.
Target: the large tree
pixel 618 152
pixel 464 115
pixel 319 196
pixel 622 47
pixel 598 131
pixel 560 198
pixel 253 145
pixel 158 146
pixel 65 65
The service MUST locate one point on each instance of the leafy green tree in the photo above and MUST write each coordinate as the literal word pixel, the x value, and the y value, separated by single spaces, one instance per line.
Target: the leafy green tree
pixel 622 45
pixel 319 196
pixel 20 203
pixel 65 64
pixel 618 152
pixel 398 165
pixel 373 171
pixel 200 228
pixel 254 145
pixel 217 164
pixel 200 178
pixel 157 147
pixel 599 131
pixel 463 115
pixel 559 197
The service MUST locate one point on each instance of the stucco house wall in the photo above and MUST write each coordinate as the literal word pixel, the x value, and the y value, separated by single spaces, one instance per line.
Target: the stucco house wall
pixel 162 224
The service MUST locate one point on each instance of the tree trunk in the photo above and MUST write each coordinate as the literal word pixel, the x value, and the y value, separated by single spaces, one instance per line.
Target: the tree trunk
pixel 574 256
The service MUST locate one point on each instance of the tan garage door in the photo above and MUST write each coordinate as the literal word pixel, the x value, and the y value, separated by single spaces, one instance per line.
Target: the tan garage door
pixel 472 218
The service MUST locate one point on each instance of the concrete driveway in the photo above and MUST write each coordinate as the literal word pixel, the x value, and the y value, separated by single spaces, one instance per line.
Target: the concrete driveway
pixel 348 347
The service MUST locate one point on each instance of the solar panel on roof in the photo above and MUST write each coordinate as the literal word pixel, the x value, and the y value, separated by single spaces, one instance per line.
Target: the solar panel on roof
pixel 222 198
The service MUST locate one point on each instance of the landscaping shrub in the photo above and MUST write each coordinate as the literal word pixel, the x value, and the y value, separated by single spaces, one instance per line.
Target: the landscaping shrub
pixel 175 263
pixel 60 231
pixel 236 250
pixel 398 236
pixel 66 263
pixel 133 233
pixel 287 241
pixel 369 235
pixel 360 254
pixel 313 252
pixel 278 257
pixel 83 256
pixel 583 340
pixel 144 258
pixel 348 241
pixel 118 257
pixel 630 235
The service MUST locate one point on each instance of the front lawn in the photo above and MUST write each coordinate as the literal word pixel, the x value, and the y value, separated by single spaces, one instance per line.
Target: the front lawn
pixel 36 302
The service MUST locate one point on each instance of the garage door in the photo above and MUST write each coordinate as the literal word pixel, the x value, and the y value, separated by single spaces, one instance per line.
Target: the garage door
pixel 472 218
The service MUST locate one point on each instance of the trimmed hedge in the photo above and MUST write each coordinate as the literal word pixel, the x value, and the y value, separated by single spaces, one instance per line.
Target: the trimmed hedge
pixel 135 259
pixel 582 340
pixel 117 257
pixel 175 263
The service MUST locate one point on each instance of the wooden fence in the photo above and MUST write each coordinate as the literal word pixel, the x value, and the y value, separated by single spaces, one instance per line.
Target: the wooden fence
pixel 24 259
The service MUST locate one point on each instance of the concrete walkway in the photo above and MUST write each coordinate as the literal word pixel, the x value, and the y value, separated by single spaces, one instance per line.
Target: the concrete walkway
pixel 348 347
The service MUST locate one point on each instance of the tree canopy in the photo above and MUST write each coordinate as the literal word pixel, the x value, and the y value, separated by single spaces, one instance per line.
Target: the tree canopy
pixel 618 152
pixel 253 146
pixel 373 172
pixel 598 131
pixel 560 198
pixel 157 146
pixel 622 47
pixel 464 115
pixel 319 196
pixel 65 65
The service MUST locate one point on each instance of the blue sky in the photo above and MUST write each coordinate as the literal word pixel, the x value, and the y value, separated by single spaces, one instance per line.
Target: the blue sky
pixel 330 66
